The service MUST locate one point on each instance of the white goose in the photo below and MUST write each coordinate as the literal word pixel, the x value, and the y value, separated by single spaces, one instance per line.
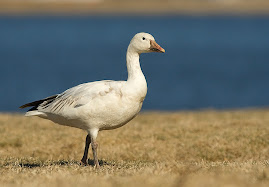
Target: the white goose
pixel 100 105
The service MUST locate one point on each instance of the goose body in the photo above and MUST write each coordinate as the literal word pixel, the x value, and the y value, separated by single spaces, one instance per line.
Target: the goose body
pixel 84 106
pixel 100 105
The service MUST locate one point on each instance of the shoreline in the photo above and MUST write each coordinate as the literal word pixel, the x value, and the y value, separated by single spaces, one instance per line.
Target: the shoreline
pixel 172 112
pixel 118 7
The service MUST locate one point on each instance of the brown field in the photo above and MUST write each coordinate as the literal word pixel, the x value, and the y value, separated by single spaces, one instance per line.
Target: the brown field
pixel 135 7
pixel 203 148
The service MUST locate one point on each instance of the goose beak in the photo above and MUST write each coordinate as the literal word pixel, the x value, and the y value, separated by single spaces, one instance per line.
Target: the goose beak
pixel 154 47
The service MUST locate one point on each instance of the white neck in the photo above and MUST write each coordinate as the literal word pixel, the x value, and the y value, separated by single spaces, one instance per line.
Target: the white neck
pixel 136 77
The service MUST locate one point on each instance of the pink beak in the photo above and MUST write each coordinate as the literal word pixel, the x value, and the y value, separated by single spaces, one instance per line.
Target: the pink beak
pixel 155 47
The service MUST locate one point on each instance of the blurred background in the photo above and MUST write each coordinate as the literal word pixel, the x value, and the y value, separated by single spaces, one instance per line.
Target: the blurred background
pixel 217 51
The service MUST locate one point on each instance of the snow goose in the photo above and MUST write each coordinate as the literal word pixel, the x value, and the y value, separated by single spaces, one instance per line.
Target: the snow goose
pixel 100 105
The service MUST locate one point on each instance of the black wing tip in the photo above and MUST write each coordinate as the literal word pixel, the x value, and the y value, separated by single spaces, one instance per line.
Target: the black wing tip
pixel 23 106
pixel 27 105
pixel 36 103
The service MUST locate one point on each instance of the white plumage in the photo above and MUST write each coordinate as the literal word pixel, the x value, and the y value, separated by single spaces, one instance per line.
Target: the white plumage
pixel 100 105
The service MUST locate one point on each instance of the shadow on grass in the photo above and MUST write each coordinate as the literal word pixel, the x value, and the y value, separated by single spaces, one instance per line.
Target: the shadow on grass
pixel 63 163
pixel 57 163
pixel 101 162
pixel 30 165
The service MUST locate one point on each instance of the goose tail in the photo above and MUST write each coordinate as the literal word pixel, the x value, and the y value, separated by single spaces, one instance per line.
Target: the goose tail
pixel 35 104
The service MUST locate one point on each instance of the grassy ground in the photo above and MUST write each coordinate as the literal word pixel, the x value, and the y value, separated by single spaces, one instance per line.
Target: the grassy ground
pixel 206 148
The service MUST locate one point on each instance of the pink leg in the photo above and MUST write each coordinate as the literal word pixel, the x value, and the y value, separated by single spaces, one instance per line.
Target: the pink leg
pixel 94 150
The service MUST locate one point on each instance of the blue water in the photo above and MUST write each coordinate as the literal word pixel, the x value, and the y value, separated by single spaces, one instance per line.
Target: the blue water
pixel 210 62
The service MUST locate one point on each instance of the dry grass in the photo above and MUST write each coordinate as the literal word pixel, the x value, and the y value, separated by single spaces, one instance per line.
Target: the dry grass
pixel 206 148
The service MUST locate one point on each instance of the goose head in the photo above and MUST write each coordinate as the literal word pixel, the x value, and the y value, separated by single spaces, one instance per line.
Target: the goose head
pixel 145 43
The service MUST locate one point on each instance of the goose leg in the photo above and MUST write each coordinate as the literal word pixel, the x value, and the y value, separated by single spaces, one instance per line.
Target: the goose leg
pixel 94 150
pixel 85 155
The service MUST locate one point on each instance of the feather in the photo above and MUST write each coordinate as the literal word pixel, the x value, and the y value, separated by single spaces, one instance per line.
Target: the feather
pixel 35 104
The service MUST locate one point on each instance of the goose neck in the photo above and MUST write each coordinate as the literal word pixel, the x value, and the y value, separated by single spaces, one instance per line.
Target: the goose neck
pixel 133 66
pixel 136 82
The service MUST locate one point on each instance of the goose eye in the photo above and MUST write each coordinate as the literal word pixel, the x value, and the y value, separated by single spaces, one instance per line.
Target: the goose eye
pixel 143 38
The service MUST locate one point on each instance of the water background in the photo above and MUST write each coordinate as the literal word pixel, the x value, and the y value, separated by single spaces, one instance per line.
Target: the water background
pixel 217 62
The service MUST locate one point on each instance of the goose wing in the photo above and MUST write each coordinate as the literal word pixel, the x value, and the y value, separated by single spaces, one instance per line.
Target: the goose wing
pixel 72 98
